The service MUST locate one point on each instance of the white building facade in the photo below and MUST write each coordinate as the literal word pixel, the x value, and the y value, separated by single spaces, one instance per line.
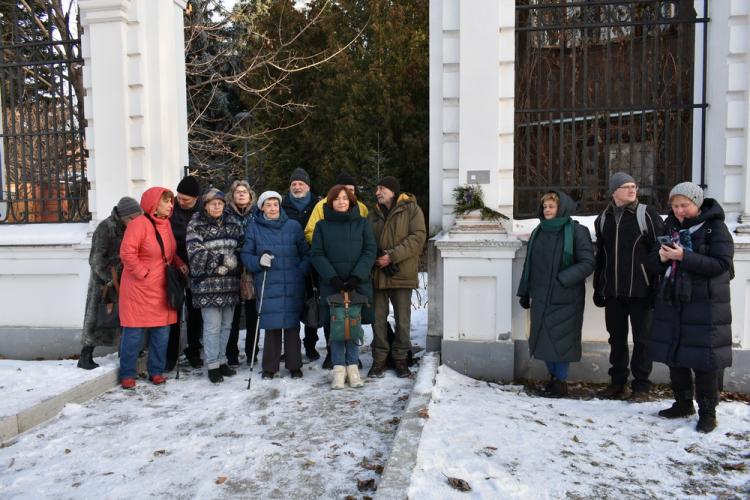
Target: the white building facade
pixel 475 268
pixel 136 136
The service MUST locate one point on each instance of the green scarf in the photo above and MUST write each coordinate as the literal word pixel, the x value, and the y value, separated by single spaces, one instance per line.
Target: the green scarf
pixel 549 226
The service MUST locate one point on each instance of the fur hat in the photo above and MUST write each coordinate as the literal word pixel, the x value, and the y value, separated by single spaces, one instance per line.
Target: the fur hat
pixel 189 186
pixel 689 190
pixel 618 179
pixel 266 195
pixel 299 174
pixel 213 194
pixel 391 183
pixel 128 206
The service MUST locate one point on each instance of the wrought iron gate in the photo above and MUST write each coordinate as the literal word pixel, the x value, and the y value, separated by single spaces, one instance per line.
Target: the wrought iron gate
pixel 605 86
pixel 41 118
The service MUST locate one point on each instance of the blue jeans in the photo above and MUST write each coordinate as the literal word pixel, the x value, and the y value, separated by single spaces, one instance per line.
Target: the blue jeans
pixel 558 369
pixel 131 342
pixel 217 323
pixel 344 353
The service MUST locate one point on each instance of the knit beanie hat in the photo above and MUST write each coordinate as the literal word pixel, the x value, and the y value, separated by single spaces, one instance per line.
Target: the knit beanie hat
pixel 266 195
pixel 618 179
pixel 213 194
pixel 345 179
pixel 689 190
pixel 299 174
pixel 128 206
pixel 189 186
pixel 391 183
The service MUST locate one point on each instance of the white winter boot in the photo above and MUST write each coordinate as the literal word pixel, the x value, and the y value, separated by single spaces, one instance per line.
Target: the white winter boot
pixel 339 377
pixel 352 373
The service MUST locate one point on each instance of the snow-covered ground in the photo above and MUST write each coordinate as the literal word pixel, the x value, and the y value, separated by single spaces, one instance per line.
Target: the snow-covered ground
pixel 24 384
pixel 507 444
pixel 190 439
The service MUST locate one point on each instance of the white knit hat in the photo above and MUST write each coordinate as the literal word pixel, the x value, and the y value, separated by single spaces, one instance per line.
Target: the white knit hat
pixel 689 190
pixel 266 195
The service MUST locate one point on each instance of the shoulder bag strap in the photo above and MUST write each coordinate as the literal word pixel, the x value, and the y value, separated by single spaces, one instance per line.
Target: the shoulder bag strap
pixel 158 239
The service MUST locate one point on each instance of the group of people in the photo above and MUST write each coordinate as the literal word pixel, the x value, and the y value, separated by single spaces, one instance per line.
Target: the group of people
pixel 267 257
pixel 669 278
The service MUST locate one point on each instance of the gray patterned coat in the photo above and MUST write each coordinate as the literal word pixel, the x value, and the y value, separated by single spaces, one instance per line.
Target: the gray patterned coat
pixel 105 253
pixel 211 245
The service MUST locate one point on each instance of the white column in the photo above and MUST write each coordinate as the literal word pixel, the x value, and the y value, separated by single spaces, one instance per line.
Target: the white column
pixel 436 116
pixel 104 25
pixel 487 84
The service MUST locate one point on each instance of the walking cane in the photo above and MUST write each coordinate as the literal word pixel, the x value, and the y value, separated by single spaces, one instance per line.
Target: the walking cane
pixel 257 328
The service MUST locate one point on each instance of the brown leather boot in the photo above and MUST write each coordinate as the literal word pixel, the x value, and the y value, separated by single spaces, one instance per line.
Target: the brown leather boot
pixel 377 370
pixel 402 370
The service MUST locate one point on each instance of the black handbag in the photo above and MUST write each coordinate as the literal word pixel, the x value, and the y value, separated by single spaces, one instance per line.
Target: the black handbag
pixel 176 281
pixel 311 310
pixel 107 315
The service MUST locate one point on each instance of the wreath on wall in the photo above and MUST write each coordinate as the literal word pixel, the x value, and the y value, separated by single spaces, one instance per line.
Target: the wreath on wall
pixel 469 198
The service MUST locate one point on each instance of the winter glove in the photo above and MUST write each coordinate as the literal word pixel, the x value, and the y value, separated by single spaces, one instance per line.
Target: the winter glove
pixel 599 300
pixel 352 283
pixel 265 260
pixel 230 261
pixel 337 283
pixel 524 301
pixel 222 270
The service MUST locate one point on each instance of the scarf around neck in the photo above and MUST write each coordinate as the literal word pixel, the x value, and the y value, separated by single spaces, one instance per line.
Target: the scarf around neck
pixel 549 226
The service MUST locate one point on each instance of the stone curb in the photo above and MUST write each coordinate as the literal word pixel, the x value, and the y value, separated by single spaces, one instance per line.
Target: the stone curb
pixel 403 457
pixel 24 420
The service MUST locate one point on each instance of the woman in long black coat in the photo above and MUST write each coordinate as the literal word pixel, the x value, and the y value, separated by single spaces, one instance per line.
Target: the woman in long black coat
pixel 558 260
pixel 692 325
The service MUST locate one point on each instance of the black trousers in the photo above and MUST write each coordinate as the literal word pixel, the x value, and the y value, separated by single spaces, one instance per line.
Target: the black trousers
pixel 706 385
pixel 194 331
pixel 311 334
pixel 251 318
pixel 272 349
pixel 616 313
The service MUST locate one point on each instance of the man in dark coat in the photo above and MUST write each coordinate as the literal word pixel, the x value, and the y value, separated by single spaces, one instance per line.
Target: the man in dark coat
pixel 104 280
pixel 558 261
pixel 188 191
pixel 298 205
pixel 624 286
pixel 692 327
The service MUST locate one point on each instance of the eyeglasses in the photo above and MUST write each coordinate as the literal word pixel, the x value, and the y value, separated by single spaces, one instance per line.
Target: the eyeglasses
pixel 629 187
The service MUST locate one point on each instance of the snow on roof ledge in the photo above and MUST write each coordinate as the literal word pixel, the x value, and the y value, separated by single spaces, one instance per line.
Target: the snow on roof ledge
pixel 43 234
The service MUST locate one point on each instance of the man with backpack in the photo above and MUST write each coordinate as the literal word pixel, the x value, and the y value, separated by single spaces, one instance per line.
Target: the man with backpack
pixel 625 234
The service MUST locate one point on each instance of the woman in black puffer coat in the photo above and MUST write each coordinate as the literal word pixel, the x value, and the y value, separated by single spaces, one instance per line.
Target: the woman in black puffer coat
pixel 692 325
pixel 559 258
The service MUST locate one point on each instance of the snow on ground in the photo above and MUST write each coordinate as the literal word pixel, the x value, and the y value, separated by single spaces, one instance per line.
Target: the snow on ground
pixel 190 439
pixel 24 384
pixel 507 444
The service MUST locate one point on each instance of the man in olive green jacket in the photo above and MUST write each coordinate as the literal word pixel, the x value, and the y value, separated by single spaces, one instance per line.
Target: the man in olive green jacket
pixel 398 224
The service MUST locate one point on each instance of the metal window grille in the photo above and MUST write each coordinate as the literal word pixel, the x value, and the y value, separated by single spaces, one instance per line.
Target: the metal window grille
pixel 41 118
pixel 605 86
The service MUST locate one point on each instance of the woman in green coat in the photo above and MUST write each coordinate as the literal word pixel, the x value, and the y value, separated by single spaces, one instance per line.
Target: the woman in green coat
pixel 343 253
pixel 559 258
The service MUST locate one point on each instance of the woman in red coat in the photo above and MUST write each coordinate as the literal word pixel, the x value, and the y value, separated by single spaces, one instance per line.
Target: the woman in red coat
pixel 143 288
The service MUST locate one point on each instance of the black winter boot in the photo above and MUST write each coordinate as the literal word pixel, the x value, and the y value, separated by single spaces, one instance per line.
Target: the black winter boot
pixel 377 370
pixel 557 389
pixel 706 414
pixel 682 407
pixel 227 371
pixel 86 361
pixel 214 375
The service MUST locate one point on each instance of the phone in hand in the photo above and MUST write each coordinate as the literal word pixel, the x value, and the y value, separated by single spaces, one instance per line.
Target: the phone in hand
pixel 665 240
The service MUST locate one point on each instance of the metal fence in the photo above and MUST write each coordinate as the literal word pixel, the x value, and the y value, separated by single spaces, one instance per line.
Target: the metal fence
pixel 605 86
pixel 41 119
